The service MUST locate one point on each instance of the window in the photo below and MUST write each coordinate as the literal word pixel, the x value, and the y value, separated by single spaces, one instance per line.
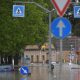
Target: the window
pixel 43 57
pixel 37 57
pixel 32 58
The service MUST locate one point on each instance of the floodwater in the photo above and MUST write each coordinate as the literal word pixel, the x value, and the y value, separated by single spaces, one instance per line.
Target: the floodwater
pixel 37 73
pixel 40 72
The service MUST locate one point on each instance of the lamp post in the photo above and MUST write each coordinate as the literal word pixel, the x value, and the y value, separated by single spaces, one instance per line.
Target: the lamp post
pixel 49 33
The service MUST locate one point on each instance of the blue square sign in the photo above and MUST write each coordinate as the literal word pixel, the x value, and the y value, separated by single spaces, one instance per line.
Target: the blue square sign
pixel 18 10
pixel 76 11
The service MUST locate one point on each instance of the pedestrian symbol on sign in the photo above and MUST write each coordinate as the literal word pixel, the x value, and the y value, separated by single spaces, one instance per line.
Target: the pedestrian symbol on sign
pixel 18 11
pixel 78 12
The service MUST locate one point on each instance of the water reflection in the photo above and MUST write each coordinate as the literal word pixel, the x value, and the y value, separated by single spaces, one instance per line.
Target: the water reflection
pixel 9 76
pixel 38 73
pixel 23 79
pixel 41 73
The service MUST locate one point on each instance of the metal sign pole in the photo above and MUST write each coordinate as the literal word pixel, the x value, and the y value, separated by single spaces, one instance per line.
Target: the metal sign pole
pixel 61 53
pixel 50 77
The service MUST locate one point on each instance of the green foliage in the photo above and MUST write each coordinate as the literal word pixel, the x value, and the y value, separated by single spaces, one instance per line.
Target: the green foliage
pixel 16 33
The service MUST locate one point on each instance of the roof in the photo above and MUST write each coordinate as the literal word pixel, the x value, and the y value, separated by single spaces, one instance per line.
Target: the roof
pixel 45 46
pixel 32 47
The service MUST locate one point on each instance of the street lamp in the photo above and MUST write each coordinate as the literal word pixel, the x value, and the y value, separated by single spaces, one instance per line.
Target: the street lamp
pixel 49 12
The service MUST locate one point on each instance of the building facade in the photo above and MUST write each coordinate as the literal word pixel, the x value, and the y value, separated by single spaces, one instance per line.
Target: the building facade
pixel 71 49
pixel 38 56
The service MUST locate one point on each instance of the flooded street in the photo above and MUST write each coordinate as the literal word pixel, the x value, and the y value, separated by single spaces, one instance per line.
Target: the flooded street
pixel 37 73
pixel 40 72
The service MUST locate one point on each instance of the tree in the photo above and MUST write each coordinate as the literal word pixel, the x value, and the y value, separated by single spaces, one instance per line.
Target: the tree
pixel 16 33
pixel 75 22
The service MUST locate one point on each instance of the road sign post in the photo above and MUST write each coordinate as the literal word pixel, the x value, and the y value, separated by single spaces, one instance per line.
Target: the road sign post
pixel 61 53
pixel 61 28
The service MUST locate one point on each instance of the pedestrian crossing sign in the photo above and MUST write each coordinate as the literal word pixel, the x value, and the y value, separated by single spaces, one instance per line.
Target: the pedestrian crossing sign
pixel 18 10
pixel 76 11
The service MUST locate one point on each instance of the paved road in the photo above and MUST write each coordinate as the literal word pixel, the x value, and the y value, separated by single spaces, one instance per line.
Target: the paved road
pixel 40 72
